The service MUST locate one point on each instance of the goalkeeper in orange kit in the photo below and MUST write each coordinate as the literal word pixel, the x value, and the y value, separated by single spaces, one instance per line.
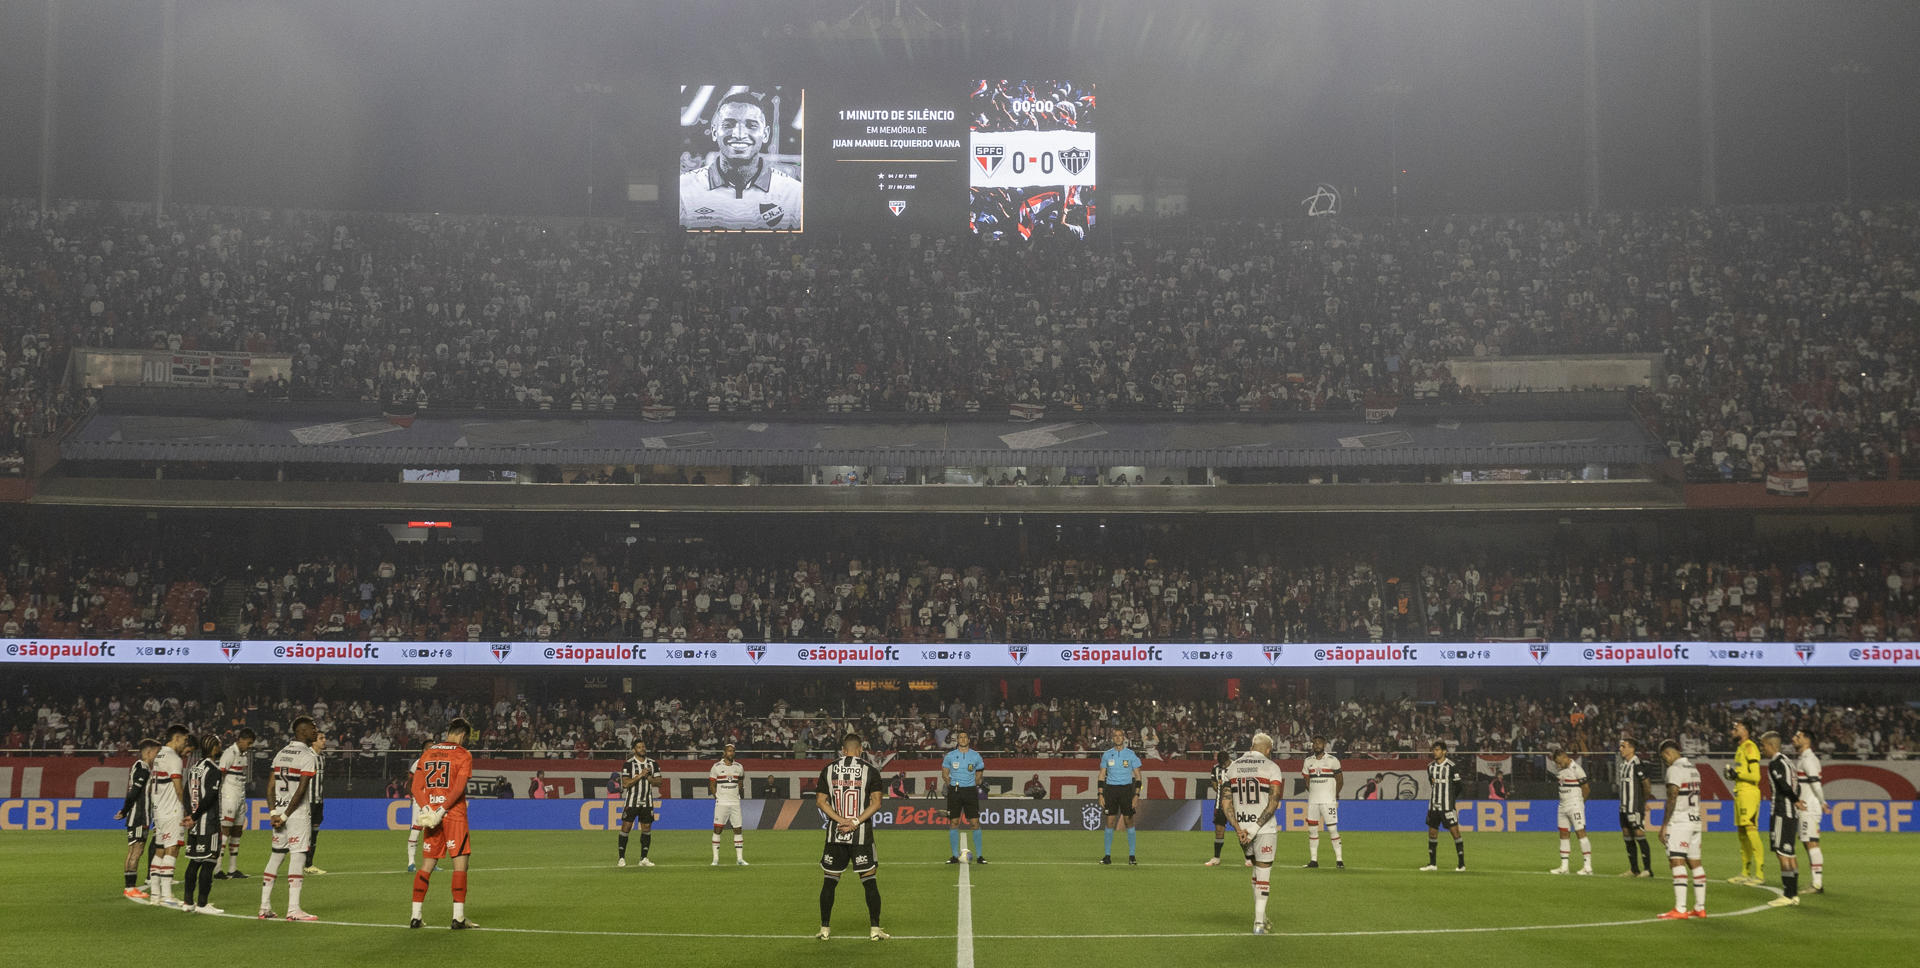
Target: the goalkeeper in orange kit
pixel 440 809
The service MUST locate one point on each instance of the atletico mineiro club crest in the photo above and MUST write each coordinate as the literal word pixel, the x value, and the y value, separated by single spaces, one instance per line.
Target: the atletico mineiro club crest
pixel 1074 160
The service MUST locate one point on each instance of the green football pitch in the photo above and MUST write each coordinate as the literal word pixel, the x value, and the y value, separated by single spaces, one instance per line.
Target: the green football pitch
pixel 556 898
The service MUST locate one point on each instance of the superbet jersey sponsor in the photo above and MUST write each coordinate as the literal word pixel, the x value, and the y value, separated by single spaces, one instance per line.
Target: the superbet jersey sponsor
pixel 1017 159
pixel 972 655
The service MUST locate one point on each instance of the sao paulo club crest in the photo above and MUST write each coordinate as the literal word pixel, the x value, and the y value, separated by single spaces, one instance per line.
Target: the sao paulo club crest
pixel 1539 652
pixel 1272 652
pixel 1074 160
pixel 756 653
pixel 1804 650
pixel 896 205
pixel 989 158
pixel 230 649
pixel 1018 653
pixel 501 650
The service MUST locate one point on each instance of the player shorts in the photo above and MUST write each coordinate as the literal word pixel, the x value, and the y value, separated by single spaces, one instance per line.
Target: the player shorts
pixel 167 831
pixel 137 829
pixel 1323 814
pixel 447 840
pixel 1746 805
pixel 233 807
pixel 727 815
pixel 1683 842
pixel 963 802
pixel 1220 818
pixel 1118 798
pixel 1261 848
pixel 203 844
pixel 294 836
pixel 1632 822
pixel 839 858
pixel 1573 816
pixel 637 815
pixel 1782 836
pixel 1809 823
pixel 1442 818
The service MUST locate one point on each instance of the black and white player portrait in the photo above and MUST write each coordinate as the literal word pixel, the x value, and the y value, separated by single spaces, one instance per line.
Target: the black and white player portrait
pixel 741 165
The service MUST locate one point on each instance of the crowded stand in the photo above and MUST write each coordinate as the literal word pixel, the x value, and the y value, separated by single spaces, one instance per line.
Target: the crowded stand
pixel 1175 717
pixel 1788 335
pixel 1142 587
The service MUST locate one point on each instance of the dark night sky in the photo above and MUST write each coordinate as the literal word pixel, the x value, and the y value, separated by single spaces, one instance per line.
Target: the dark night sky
pixel 471 106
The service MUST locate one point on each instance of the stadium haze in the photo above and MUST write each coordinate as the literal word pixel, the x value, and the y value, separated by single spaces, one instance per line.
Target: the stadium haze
pixel 1275 483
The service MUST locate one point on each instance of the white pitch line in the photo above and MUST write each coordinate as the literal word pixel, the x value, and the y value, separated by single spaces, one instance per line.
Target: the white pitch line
pixel 963 954
pixel 567 931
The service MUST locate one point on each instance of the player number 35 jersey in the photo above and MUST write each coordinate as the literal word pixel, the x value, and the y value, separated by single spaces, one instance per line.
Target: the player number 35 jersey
pixel 1323 774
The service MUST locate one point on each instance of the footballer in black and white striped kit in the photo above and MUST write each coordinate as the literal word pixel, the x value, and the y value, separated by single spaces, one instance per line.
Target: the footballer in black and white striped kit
pixel 848 795
pixel 1443 807
pixel 637 777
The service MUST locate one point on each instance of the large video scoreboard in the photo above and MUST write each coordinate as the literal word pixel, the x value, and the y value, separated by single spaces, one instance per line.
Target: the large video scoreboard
pixel 1008 157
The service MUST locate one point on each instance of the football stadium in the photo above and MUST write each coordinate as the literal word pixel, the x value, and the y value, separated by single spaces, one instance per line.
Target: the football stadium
pixel 958 482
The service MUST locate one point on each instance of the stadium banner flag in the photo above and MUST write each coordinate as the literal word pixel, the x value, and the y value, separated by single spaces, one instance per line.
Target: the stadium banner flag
pixel 1478 816
pixel 1787 483
pixel 1229 656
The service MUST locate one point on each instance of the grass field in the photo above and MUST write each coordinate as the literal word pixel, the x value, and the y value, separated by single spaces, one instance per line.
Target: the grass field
pixel 556 898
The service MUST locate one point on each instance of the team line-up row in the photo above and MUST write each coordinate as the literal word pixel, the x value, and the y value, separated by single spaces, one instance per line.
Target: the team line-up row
pixel 204 810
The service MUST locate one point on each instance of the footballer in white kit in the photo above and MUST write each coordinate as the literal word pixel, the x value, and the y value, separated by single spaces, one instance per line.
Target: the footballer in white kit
pixel 1813 803
pixel 163 797
pixel 1251 796
pixel 1324 779
pixel 1681 831
pixel 295 762
pixel 727 778
pixel 1571 778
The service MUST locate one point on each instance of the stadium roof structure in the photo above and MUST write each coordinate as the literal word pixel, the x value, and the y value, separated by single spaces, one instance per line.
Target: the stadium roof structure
pixel 1079 440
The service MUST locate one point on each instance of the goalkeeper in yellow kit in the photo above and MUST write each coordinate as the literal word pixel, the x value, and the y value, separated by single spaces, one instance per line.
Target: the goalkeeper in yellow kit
pixel 1744 771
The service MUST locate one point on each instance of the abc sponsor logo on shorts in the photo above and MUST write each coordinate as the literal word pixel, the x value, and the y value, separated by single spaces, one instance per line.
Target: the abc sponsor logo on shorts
pixel 1361 655
pixel 61 650
pixel 587 654
pixel 1105 656
pixel 1629 654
